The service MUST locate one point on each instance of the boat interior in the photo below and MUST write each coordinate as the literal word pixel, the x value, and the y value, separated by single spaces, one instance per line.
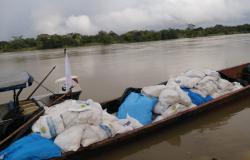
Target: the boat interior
pixel 15 113
pixel 239 74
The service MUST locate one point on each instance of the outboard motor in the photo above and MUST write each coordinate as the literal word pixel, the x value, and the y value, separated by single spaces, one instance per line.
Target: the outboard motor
pixel 61 87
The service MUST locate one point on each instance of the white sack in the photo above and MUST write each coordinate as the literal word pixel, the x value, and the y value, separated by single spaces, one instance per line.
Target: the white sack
pixel 92 134
pixel 106 117
pixel 209 78
pixel 119 126
pixel 183 97
pixel 69 118
pixel 70 139
pixel 224 84
pixel 48 126
pixel 158 118
pixel 115 127
pixel 237 86
pixel 134 122
pixel 207 88
pixel 194 73
pixel 41 126
pixel 83 112
pixel 153 91
pixel 174 109
pixel 212 73
pixel 187 82
pixel 91 113
pixel 171 95
pixel 60 108
pixel 160 108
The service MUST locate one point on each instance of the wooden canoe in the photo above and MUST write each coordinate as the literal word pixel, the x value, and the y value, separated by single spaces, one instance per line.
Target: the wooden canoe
pixel 232 74
pixel 23 126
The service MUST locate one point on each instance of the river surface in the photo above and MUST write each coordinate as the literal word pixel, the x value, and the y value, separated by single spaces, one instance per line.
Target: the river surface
pixel 105 71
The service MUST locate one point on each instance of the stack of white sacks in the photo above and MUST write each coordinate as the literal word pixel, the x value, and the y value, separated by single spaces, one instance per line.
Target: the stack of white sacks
pixel 74 123
pixel 172 99
pixel 80 123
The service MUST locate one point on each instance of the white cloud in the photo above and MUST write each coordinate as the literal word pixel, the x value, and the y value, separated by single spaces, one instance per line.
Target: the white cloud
pixel 160 14
pixel 80 24
pixel 87 17
pixel 52 21
pixel 121 21
pixel 50 24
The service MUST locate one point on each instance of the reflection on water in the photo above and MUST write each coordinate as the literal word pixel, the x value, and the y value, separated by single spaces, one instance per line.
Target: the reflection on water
pixel 105 71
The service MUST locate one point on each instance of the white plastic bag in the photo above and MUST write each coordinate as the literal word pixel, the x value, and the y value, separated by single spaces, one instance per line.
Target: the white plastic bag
pixel 106 117
pixel 237 86
pixel 224 84
pixel 158 118
pixel 69 118
pixel 60 108
pixel 91 114
pixel 183 97
pixel 195 73
pixel 118 126
pixel 187 82
pixel 207 88
pixel 70 139
pixel 134 122
pixel 171 95
pixel 160 108
pixel 48 126
pixel 41 126
pixel 93 134
pixel 212 73
pixel 174 109
pixel 153 91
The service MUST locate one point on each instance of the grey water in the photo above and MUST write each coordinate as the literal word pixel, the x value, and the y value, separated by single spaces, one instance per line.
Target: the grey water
pixel 104 72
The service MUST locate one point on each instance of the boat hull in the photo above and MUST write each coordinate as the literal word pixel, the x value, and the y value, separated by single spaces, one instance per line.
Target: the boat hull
pixel 218 103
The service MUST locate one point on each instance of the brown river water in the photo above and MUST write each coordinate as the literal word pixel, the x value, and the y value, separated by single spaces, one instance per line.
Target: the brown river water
pixel 105 71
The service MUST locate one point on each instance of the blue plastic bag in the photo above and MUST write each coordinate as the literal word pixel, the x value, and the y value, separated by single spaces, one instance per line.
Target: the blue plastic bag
pixel 137 106
pixel 196 98
pixel 31 147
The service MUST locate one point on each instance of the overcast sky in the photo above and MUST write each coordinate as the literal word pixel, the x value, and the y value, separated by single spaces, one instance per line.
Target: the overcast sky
pixel 32 17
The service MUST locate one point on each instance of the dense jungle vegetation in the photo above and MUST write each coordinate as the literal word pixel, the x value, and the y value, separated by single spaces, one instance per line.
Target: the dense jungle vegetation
pixel 45 41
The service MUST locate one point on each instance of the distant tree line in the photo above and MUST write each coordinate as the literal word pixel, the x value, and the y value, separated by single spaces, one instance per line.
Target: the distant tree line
pixel 45 41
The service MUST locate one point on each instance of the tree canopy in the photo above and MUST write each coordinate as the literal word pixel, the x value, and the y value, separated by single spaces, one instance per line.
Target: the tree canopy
pixel 45 41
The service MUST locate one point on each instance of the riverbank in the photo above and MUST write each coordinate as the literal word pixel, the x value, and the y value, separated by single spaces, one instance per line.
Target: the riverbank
pixel 45 41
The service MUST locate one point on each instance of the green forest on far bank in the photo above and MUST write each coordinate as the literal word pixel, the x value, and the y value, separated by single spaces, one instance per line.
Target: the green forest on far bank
pixel 45 41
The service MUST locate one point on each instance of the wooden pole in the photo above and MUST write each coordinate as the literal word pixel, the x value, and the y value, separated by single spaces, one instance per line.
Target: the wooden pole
pixel 61 97
pixel 31 94
pixel 22 127
pixel 45 88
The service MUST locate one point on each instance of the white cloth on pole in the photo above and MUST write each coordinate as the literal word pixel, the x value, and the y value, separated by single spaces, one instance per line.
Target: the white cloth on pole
pixel 68 74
